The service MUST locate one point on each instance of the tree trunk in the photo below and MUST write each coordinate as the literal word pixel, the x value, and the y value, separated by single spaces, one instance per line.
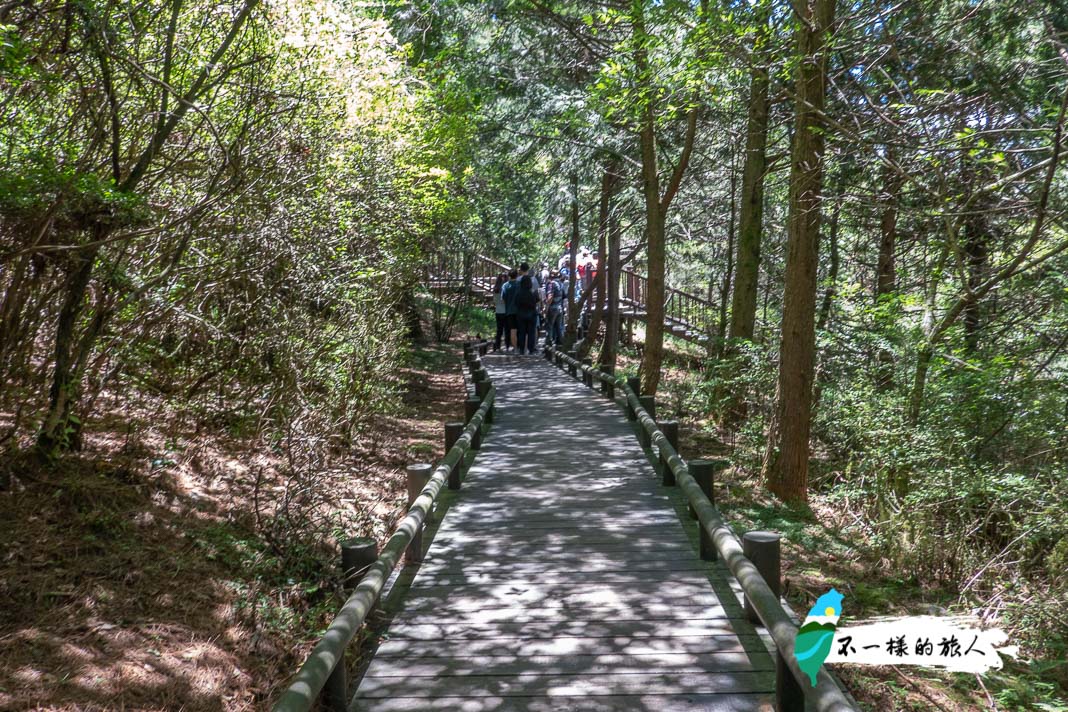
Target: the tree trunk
pixel 656 206
pixel 60 428
pixel 571 330
pixel 976 253
pixel 55 431
pixel 832 272
pixel 750 231
pixel 607 358
pixel 725 286
pixel 609 184
pixel 786 466
pixel 653 353
pixel 886 275
pixel 654 221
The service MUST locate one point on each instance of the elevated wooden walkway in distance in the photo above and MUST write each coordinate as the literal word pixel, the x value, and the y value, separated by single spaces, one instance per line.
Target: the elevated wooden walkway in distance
pixel 686 316
pixel 563 578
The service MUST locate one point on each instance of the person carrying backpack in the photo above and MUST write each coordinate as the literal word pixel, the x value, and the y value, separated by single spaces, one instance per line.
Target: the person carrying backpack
pixel 554 299
pixel 508 294
pixel 526 302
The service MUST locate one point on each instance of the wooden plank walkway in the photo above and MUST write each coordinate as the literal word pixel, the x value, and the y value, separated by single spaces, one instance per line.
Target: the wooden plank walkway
pixel 562 578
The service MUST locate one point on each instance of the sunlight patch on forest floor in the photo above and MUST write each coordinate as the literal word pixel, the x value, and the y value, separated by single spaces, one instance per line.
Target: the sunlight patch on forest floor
pixel 134 573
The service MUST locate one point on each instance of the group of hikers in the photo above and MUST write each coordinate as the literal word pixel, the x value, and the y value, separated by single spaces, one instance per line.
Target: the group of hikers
pixel 523 302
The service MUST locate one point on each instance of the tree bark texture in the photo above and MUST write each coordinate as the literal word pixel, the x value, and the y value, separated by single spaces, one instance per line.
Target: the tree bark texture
pixel 571 330
pixel 886 274
pixel 609 185
pixel 750 228
pixel 607 358
pixel 786 459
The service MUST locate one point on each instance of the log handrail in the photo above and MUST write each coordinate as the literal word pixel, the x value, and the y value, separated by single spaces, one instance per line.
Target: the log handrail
pixel 826 696
pixel 304 690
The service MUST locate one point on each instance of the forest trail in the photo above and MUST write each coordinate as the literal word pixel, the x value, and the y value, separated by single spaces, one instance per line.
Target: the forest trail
pixel 562 578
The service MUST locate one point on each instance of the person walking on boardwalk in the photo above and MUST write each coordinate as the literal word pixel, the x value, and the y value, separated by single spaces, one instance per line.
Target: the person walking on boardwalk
pixel 524 271
pixel 526 302
pixel 508 294
pixel 500 311
pixel 554 309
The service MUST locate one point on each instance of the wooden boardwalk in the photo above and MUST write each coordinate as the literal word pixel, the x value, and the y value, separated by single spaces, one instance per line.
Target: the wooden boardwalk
pixel 563 577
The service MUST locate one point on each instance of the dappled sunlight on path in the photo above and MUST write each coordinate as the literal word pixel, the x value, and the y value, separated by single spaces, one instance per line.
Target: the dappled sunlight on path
pixel 562 578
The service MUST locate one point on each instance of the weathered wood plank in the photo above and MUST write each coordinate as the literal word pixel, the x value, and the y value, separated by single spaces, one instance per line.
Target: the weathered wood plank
pixel 570 685
pixel 488 548
pixel 571 645
pixel 556 578
pixel 724 661
pixel 663 615
pixel 519 568
pixel 615 703
pixel 565 518
pixel 564 596
pixel 550 629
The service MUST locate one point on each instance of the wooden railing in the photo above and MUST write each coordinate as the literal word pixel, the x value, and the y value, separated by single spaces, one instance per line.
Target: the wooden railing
pixel 686 314
pixel 762 596
pixel 692 313
pixel 323 673
pixel 458 270
pixel 690 310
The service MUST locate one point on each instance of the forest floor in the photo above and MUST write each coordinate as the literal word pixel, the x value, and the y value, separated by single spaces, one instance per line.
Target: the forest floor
pixel 145 571
pixel 824 547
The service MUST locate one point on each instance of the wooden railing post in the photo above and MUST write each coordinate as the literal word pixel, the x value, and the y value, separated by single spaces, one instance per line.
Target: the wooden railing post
pixel 635 384
pixel 670 429
pixel 418 475
pixel 703 472
pixel 587 377
pixel 604 382
pixel 453 431
pixel 649 405
pixel 471 406
pixel 357 555
pixel 764 549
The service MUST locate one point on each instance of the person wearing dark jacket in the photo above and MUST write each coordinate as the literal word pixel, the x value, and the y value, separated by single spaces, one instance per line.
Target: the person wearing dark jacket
pixel 526 303
pixel 508 294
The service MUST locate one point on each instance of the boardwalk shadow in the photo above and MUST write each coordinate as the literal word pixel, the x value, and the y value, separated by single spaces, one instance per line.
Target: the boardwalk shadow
pixel 561 578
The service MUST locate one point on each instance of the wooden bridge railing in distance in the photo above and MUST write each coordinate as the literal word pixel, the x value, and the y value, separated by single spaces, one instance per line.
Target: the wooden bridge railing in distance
pixel 686 315
pixel 633 288
pixel 450 271
pixel 323 672
pixel 793 690
pixel 690 310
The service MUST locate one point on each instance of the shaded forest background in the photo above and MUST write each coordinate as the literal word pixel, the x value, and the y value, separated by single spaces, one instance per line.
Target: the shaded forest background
pixel 216 220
